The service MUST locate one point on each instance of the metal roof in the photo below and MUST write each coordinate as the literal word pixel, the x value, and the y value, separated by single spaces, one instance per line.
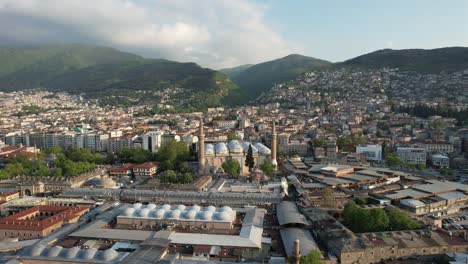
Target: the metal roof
pixel 412 203
pixel 290 235
pixel 452 195
pixel 288 213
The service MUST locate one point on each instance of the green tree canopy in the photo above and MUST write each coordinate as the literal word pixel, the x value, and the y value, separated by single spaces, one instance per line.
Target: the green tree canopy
pixel 392 159
pixel 174 151
pixel 136 155
pixel 267 167
pixel 231 136
pixel 231 167
pixel 314 257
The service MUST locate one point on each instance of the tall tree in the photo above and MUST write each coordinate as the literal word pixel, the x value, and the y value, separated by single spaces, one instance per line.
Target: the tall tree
pixel 231 167
pixel 249 159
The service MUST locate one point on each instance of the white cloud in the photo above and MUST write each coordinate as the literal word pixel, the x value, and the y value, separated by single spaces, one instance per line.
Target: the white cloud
pixel 217 34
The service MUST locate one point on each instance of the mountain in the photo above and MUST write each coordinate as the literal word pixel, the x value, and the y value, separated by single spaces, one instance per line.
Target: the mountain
pixel 113 76
pixel 203 87
pixel 233 72
pixel 261 77
pixel 419 60
pixel 24 68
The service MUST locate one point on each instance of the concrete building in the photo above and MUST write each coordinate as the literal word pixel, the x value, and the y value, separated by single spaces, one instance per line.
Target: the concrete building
pixel 439 147
pixel 412 155
pixel 152 141
pixel 372 152
pixel 440 161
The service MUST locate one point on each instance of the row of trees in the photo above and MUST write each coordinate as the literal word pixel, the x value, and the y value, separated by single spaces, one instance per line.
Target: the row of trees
pixel 376 219
pixel 425 111
pixel 53 162
pixel 170 176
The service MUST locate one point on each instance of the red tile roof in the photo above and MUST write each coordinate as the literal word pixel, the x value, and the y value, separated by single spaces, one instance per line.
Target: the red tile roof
pixel 63 213
pixel 146 165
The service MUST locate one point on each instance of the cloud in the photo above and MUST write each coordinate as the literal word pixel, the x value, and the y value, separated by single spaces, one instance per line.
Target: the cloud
pixel 221 33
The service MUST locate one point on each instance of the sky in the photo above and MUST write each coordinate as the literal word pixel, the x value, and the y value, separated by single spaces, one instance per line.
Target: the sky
pixel 228 33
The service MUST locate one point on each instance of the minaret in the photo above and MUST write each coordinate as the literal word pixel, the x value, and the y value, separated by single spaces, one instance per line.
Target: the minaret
pixel 201 149
pixel 274 145
pixel 297 251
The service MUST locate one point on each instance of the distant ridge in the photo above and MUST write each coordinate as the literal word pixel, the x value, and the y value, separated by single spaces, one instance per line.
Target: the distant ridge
pixel 420 60
pixel 260 77
pixel 102 72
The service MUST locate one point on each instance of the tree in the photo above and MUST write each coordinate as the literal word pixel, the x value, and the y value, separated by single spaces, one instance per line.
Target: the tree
pixel 314 257
pixel 137 155
pixel 320 142
pixel 231 167
pixel 267 167
pixel 174 151
pixel 328 199
pixel 232 136
pixel 168 176
pixel 380 220
pixel 249 159
pixel 400 220
pixel 392 159
pixel 186 178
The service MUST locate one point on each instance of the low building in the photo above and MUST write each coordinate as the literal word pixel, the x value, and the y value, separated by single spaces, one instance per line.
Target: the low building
pixel 151 215
pixel 121 171
pixel 147 169
pixel 38 221
pixel 337 170
pixel 440 161
pixel 372 152
pixel 8 195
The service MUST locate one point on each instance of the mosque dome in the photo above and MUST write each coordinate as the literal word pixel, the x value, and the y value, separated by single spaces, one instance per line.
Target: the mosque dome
pixel 137 205
pixel 166 207
pixel 235 146
pixel 175 214
pixel 144 212
pixel 160 213
pixel 221 149
pixel 191 214
pixel 151 206
pixel 211 208
pixel 207 215
pixel 246 145
pixel 224 216
pixel 209 149
pixel 129 211
pixel 262 149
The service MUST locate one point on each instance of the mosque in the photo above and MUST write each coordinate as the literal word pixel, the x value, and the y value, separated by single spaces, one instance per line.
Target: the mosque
pixel 211 157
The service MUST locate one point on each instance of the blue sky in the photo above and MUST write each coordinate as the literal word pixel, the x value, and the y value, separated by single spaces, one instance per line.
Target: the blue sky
pixel 338 30
pixel 227 33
